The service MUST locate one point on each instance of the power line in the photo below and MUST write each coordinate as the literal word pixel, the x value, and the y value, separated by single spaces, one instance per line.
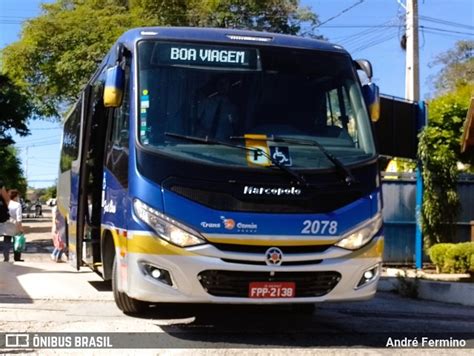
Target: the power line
pixel 444 22
pixel 14 17
pixel 47 128
pixel 346 40
pixel 374 36
pixel 45 175
pixel 451 35
pixel 39 141
pixel 375 42
pixel 41 138
pixel 449 31
pixel 359 26
pixel 41 180
pixel 341 13
pixel 39 145
pixel 44 158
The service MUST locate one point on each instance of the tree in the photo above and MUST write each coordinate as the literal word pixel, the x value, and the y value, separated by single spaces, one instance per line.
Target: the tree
pixel 11 172
pixel 439 146
pixel 439 152
pixel 14 111
pixel 47 193
pixel 458 67
pixel 58 51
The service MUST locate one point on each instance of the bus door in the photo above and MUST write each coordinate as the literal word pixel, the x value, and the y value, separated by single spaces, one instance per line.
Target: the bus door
pixel 76 218
pixel 68 183
pixel 91 173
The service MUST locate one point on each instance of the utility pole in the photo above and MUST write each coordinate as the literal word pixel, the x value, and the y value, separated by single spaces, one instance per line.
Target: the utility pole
pixel 412 70
pixel 26 168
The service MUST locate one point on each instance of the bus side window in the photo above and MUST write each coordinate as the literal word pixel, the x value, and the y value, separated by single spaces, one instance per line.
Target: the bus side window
pixel 70 148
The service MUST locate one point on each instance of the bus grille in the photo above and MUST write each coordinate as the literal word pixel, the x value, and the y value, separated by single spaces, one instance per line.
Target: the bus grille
pixel 236 283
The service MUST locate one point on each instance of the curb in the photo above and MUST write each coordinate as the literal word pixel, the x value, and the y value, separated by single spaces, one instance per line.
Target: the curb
pixel 446 292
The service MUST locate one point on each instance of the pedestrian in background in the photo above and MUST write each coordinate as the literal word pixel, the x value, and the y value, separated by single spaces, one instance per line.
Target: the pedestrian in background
pixel 57 239
pixel 15 211
pixel 5 228
pixel 12 226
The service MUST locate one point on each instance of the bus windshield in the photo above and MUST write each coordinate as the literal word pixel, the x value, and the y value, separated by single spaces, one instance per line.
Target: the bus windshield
pixel 225 92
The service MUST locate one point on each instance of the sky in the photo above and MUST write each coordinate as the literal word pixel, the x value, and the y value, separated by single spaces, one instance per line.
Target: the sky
pixel 369 29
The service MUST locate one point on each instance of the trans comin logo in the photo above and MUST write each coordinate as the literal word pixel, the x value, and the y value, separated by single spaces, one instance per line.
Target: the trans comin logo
pixel 250 190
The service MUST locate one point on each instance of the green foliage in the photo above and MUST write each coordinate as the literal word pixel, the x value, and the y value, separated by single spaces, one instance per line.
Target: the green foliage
pixel 458 67
pixel 439 152
pixel 453 258
pixel 471 265
pixel 58 51
pixel 11 172
pixel 47 193
pixel 437 255
pixel 14 111
pixel 281 16
pixel 458 258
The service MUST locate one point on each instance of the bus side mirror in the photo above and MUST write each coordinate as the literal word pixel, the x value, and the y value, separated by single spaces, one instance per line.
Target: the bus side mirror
pixel 369 90
pixel 366 66
pixel 114 86
pixel 371 95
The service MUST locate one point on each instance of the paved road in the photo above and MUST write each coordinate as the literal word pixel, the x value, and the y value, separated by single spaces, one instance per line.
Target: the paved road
pixel 39 295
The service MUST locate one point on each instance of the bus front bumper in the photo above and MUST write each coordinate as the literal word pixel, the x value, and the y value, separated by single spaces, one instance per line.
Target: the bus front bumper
pixel 197 278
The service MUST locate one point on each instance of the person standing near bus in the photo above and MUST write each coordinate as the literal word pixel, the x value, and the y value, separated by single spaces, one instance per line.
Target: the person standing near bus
pixel 5 224
pixel 15 211
pixel 57 240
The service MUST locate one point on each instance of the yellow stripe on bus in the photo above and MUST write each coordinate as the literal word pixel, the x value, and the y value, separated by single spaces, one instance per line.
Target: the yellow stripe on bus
pixel 151 245
pixel 255 242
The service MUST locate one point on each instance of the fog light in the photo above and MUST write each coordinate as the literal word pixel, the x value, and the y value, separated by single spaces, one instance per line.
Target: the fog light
pixel 368 276
pixel 158 274
pixel 155 273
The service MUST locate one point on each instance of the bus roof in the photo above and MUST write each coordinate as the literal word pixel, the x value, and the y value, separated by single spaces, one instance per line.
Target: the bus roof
pixel 226 36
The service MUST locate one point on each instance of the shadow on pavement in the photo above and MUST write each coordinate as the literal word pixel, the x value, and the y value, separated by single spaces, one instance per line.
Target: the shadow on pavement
pixel 11 290
pixel 38 246
pixel 39 229
pixel 255 326
pixel 101 286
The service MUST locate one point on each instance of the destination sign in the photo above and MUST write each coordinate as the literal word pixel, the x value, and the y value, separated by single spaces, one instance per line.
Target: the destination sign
pixel 206 56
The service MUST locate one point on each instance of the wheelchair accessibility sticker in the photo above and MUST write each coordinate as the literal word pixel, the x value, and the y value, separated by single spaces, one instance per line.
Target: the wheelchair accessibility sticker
pixel 281 154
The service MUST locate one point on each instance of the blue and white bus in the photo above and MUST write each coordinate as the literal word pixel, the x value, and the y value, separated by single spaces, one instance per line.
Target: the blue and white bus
pixel 224 166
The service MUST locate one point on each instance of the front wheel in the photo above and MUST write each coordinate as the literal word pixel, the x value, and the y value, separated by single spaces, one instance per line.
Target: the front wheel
pixel 124 302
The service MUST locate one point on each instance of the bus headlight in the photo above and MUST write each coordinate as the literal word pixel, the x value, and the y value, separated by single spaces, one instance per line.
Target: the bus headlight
pixel 167 228
pixel 360 237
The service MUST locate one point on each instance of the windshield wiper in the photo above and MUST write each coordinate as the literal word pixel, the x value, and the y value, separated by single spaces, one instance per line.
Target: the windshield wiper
pixel 208 141
pixel 349 179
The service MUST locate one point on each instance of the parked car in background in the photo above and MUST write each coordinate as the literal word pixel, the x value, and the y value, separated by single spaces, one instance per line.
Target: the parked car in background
pixel 31 209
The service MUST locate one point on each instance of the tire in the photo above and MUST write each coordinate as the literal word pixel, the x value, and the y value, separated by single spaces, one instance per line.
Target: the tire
pixel 124 302
pixel 307 308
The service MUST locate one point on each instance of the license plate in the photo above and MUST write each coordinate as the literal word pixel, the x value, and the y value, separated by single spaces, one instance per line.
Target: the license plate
pixel 271 289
